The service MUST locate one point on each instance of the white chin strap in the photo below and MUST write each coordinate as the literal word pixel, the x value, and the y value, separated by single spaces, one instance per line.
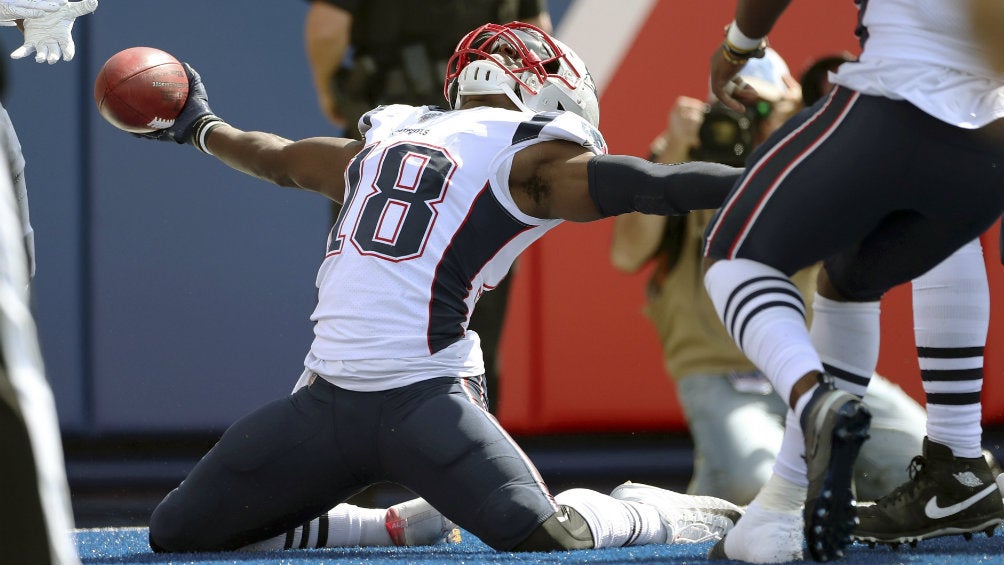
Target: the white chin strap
pixel 486 77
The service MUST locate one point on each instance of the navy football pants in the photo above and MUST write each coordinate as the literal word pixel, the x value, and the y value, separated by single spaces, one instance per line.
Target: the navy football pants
pixel 299 456
pixel 875 187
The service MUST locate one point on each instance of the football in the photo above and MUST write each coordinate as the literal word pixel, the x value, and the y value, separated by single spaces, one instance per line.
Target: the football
pixel 141 89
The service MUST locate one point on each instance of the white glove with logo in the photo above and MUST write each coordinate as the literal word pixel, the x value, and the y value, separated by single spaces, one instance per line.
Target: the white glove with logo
pixel 49 36
pixel 11 10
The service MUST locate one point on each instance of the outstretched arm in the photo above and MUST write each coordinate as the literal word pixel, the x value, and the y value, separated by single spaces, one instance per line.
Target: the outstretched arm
pixel 314 164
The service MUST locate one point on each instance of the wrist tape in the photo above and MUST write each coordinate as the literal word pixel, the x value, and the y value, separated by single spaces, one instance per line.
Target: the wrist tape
pixel 201 129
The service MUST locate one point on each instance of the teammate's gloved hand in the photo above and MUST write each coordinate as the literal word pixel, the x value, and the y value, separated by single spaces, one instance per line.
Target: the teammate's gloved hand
pixel 196 117
pixel 50 36
pixel 11 10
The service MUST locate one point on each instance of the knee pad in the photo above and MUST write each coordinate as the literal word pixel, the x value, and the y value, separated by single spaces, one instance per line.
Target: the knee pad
pixel 565 529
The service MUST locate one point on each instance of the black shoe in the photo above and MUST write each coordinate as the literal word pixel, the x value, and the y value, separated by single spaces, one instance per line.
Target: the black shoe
pixel 835 424
pixel 945 495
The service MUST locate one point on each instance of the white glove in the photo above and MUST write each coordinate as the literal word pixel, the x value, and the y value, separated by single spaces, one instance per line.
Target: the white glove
pixel 11 10
pixel 49 36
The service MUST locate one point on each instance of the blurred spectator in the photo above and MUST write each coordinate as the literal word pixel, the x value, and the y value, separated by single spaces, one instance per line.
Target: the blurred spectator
pixel 366 53
pixel 987 18
pixel 988 25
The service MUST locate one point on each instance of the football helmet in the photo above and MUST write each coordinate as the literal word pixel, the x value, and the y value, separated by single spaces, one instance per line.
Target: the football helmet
pixel 536 71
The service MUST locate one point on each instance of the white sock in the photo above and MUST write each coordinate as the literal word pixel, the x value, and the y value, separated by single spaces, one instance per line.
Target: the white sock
pixel 789 464
pixel 764 313
pixel 846 336
pixel 615 523
pixel 951 310
pixel 781 495
pixel 344 525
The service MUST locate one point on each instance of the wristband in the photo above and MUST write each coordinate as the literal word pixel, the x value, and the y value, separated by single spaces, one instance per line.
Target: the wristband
pixel 201 129
pixel 734 57
pixel 738 41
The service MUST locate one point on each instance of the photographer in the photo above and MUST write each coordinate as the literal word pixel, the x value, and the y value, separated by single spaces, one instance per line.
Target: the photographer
pixel 735 420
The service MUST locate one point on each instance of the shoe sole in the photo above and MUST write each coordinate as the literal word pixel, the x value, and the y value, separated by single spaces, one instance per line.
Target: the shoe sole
pixel 830 514
pixel 985 525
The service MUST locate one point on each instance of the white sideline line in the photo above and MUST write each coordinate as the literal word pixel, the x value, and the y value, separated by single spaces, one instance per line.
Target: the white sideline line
pixel 601 31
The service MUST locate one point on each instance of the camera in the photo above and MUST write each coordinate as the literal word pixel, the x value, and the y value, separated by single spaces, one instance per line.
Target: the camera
pixel 726 136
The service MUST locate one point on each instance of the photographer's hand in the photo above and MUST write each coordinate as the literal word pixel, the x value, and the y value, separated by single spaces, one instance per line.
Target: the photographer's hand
pixel 681 135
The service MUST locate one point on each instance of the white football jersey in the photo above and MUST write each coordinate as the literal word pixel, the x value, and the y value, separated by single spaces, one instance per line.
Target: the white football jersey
pixel 428 224
pixel 923 51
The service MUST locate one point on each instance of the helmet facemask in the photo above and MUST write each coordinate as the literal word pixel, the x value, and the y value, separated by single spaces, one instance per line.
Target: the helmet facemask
pixel 537 72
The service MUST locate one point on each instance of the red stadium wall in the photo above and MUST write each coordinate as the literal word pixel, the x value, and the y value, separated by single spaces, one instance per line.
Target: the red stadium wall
pixel 577 353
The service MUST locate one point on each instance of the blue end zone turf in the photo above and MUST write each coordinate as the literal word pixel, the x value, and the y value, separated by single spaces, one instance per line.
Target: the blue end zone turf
pixel 129 545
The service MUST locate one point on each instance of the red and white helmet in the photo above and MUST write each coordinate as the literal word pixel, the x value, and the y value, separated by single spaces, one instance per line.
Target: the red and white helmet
pixel 536 71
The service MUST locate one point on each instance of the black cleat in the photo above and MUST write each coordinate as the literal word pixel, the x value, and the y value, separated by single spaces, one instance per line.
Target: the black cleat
pixel 835 424
pixel 946 495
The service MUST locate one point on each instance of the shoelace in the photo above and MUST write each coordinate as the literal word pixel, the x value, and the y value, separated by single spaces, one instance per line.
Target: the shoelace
pixel 915 469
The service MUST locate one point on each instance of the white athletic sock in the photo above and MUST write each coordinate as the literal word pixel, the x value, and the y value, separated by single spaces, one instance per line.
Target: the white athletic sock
pixel 951 309
pixel 344 525
pixel 846 336
pixel 764 314
pixel 615 523
pixel 790 461
pixel 781 495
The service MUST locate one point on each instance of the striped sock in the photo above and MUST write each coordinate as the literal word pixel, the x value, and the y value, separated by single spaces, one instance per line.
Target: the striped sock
pixel 344 525
pixel 951 315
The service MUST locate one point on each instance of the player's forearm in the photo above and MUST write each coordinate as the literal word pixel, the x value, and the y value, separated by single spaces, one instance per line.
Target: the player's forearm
pixel 756 18
pixel 316 164
pixel 253 153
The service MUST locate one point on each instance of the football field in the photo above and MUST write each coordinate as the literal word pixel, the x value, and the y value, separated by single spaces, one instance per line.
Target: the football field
pixel 129 545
